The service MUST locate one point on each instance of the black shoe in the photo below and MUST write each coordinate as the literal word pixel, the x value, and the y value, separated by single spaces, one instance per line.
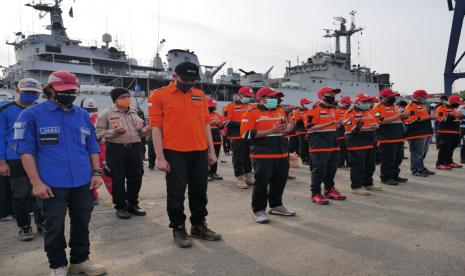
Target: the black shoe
pixel 214 176
pixel 96 201
pixel 26 234
pixel 123 214
pixel 401 179
pixel 201 231
pixel 428 172
pixel 305 163
pixel 390 182
pixel 40 228
pixel 181 238
pixel 462 161
pixel 136 210
pixel 419 173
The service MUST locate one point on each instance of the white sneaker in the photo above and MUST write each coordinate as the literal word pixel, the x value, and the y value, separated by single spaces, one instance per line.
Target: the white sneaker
pixel 88 268
pixel 61 271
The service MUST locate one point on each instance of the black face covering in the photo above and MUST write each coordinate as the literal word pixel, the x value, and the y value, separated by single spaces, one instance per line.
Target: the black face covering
pixel 211 109
pixel 184 87
pixel 452 105
pixel 329 99
pixel 390 100
pixel 65 98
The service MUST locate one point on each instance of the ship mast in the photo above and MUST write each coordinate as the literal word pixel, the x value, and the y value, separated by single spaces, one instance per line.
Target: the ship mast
pixel 344 32
pixel 56 20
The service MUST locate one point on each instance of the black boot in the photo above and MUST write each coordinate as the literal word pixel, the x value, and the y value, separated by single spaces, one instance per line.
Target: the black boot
pixel 201 231
pixel 181 238
pixel 136 210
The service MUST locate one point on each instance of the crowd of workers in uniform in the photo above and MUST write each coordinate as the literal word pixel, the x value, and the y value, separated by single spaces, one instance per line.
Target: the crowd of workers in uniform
pixel 55 154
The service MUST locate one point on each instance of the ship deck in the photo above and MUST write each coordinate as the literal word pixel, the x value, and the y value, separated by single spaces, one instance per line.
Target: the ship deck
pixel 413 229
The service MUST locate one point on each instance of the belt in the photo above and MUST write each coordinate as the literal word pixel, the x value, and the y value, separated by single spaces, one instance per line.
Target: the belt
pixel 127 145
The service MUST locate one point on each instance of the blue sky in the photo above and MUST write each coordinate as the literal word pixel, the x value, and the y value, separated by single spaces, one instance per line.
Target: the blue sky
pixel 407 39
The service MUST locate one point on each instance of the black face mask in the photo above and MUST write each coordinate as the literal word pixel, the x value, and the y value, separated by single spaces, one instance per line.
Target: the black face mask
pixel 211 109
pixel 329 99
pixel 65 98
pixel 390 100
pixel 184 87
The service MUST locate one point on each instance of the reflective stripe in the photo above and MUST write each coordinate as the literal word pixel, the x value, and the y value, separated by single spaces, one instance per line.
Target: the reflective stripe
pixel 449 131
pixel 419 136
pixel 235 138
pixel 277 155
pixel 278 134
pixel 391 141
pixel 324 150
pixel 217 143
pixel 360 148
pixel 269 119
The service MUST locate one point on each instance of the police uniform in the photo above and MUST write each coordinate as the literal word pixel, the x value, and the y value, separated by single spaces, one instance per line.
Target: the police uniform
pixel 61 142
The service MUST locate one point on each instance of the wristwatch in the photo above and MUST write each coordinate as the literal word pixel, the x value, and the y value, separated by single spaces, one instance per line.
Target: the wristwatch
pixel 97 172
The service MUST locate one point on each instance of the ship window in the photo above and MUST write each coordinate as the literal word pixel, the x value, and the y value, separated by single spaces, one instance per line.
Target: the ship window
pixel 313 81
pixel 340 83
pixel 320 81
pixel 52 49
pixel 37 50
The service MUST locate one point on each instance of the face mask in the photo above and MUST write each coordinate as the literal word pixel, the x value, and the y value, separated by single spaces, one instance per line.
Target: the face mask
pixel 423 100
pixel 28 97
pixel 390 100
pixel 364 106
pixel 184 87
pixel 271 103
pixel 65 98
pixel 245 100
pixel 211 109
pixel 125 102
pixel 452 105
pixel 329 99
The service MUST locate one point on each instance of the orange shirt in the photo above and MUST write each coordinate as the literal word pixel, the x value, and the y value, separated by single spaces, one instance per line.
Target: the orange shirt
pixel 181 116
pixel 214 116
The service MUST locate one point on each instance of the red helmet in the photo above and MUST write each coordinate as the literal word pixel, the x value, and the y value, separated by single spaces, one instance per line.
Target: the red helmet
pixel 305 101
pixel 246 91
pixel 63 81
pixel 268 92
pixel 455 99
pixel 374 99
pixel 211 102
pixel 388 93
pixel 421 94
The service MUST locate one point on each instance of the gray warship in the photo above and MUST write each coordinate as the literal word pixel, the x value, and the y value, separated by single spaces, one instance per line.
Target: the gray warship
pixel 102 67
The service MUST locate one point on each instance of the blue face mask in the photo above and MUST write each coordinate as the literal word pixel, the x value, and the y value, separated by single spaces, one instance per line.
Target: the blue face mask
pixel 245 100
pixel 271 103
pixel 28 97
pixel 364 106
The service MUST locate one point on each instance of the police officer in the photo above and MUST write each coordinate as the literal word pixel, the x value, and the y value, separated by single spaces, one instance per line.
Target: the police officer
pixel 183 143
pixel 241 149
pixel 418 132
pixel 10 164
pixel 448 117
pixel 122 129
pixel 390 137
pixel 59 151
pixel 321 123
pixel 360 127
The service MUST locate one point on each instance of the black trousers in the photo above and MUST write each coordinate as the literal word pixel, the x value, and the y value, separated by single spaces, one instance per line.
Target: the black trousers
pixel 362 167
pixel 188 169
pixel 270 181
pixel 462 149
pixel 226 145
pixel 214 167
pixel 447 144
pixel 151 154
pixel 343 155
pixel 323 167
pixel 303 148
pixel 293 144
pixel 6 205
pixel 391 155
pixel 23 201
pixel 241 157
pixel 126 167
pixel 80 203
